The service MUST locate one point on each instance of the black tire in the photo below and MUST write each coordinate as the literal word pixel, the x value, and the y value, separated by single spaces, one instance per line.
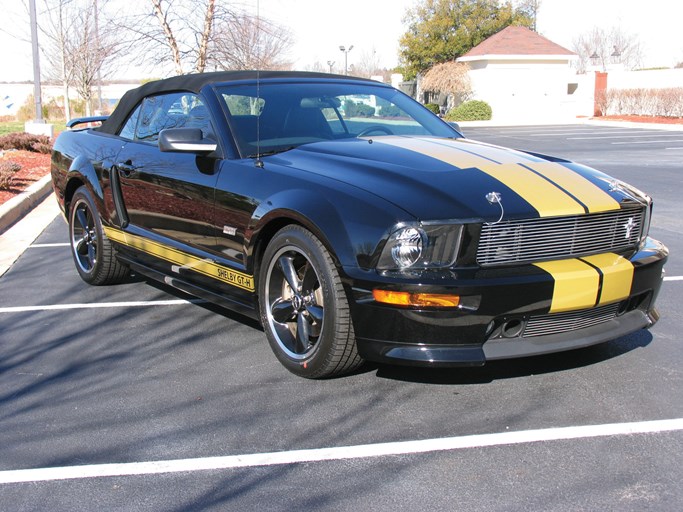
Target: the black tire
pixel 303 307
pixel 92 251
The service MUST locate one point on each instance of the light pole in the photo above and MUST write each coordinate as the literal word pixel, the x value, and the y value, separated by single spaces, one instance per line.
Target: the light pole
pixel 36 63
pixel 330 63
pixel 346 58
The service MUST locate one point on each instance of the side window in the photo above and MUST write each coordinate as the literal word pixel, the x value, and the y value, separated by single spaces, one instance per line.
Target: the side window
pixel 176 110
pixel 128 130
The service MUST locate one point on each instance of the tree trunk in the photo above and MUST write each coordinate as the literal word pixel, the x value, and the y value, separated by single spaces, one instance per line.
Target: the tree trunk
pixel 170 38
pixel 206 34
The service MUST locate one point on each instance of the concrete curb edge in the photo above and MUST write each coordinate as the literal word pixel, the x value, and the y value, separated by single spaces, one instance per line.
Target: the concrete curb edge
pixel 14 209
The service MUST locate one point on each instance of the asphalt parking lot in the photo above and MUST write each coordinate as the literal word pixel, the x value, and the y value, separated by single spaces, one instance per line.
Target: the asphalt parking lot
pixel 133 398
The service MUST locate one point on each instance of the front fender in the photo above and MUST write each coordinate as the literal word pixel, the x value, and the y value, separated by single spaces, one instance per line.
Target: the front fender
pixel 351 226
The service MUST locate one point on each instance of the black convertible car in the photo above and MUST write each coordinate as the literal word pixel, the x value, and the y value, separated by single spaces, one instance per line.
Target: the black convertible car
pixel 354 223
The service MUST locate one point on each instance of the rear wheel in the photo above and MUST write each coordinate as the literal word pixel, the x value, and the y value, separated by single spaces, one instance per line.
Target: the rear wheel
pixel 92 251
pixel 304 309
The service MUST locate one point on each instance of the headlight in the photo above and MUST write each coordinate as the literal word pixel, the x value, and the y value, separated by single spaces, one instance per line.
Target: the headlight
pixel 427 245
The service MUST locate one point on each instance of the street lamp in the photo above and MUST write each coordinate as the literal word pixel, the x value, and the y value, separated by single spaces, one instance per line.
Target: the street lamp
pixel 595 58
pixel 330 63
pixel 346 58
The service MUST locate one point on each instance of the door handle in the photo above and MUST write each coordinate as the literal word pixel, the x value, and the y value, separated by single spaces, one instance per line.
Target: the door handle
pixel 127 169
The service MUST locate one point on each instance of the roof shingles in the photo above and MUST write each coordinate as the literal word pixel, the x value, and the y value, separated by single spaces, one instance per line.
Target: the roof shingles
pixel 514 40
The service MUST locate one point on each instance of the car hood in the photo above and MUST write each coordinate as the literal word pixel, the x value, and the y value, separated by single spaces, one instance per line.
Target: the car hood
pixel 435 178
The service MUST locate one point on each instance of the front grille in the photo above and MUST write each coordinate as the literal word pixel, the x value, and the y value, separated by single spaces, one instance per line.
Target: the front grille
pixel 526 241
pixel 543 325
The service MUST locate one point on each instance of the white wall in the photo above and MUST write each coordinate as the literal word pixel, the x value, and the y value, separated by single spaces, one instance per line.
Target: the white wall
pixel 524 90
pixel 652 79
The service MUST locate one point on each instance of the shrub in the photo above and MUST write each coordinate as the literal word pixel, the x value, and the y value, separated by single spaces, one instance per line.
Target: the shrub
pixel 474 110
pixel 390 111
pixel 26 142
pixel 353 109
pixel 8 169
pixel 666 102
pixel 434 108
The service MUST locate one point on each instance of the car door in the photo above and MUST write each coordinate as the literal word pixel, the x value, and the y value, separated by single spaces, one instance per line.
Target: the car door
pixel 167 198
pixel 168 194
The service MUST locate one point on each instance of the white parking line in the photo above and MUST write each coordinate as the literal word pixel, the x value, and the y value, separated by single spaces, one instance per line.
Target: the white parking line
pixel 673 278
pixel 42 246
pixel 647 141
pixel 627 136
pixel 142 303
pixel 339 453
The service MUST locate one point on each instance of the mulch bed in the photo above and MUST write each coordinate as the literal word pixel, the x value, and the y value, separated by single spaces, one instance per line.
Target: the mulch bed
pixel 33 167
pixel 642 119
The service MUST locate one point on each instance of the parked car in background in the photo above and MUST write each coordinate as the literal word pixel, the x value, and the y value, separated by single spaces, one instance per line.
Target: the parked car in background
pixel 354 224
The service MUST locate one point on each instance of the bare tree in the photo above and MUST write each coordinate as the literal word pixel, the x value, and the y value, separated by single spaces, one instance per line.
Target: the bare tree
pixel 57 26
pixel 601 48
pixel 243 41
pixel 77 54
pixel 196 35
pixel 369 64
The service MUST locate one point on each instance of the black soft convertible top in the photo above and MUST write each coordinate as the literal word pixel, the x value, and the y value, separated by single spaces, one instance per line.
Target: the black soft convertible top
pixel 194 83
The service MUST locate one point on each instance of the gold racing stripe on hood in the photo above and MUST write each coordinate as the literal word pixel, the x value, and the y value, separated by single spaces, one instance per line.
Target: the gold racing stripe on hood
pixel 545 196
pixel 588 281
pixel 172 255
pixel 589 194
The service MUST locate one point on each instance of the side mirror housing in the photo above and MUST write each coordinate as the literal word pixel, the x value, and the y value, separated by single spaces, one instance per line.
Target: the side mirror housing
pixel 185 140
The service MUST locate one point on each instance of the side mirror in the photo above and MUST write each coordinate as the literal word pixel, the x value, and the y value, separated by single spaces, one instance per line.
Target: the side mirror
pixel 454 125
pixel 185 140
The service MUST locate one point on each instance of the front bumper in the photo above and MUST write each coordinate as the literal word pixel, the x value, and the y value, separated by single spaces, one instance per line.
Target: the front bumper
pixel 505 313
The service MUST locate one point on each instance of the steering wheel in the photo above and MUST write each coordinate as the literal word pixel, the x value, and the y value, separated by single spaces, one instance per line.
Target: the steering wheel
pixel 375 128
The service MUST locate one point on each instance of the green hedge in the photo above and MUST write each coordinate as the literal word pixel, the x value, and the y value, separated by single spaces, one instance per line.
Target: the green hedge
pixel 433 107
pixel 474 110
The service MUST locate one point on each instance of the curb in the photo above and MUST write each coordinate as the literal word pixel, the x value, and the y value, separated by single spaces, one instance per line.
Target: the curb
pixel 14 209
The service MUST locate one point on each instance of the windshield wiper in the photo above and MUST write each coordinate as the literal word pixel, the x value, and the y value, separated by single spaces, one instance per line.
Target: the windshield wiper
pixel 272 151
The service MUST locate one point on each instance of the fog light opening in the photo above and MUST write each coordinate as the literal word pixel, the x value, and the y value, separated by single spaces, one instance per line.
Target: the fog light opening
pixel 512 328
pixel 623 307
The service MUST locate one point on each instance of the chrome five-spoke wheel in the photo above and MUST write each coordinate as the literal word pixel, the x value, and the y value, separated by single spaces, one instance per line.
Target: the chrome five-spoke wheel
pixel 83 236
pixel 303 306
pixel 92 252
pixel 296 306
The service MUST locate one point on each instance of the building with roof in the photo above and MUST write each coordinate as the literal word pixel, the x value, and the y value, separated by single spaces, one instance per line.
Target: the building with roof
pixel 523 76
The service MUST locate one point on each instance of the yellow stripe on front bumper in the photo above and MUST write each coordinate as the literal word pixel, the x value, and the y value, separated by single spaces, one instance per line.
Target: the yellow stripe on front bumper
pixel 617 274
pixel 576 284
pixel 206 267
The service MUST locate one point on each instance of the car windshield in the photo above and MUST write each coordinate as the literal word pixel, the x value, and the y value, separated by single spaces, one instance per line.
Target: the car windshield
pixel 282 116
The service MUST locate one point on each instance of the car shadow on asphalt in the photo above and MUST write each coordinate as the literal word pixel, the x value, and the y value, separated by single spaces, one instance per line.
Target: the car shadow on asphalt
pixel 522 367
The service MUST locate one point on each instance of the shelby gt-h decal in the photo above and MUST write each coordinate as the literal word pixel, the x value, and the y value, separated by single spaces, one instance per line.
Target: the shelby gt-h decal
pixel 177 257
pixel 355 224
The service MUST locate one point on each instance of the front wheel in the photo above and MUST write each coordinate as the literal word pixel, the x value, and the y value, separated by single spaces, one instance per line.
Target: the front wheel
pixel 304 310
pixel 92 251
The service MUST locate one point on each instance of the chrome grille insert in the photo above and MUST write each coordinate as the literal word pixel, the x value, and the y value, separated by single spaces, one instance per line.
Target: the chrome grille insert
pixel 556 323
pixel 526 241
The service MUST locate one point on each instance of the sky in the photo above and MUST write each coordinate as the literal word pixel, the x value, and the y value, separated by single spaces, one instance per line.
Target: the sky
pixel 319 27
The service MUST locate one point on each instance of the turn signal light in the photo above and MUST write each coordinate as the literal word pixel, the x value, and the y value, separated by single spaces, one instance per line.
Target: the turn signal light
pixel 429 300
